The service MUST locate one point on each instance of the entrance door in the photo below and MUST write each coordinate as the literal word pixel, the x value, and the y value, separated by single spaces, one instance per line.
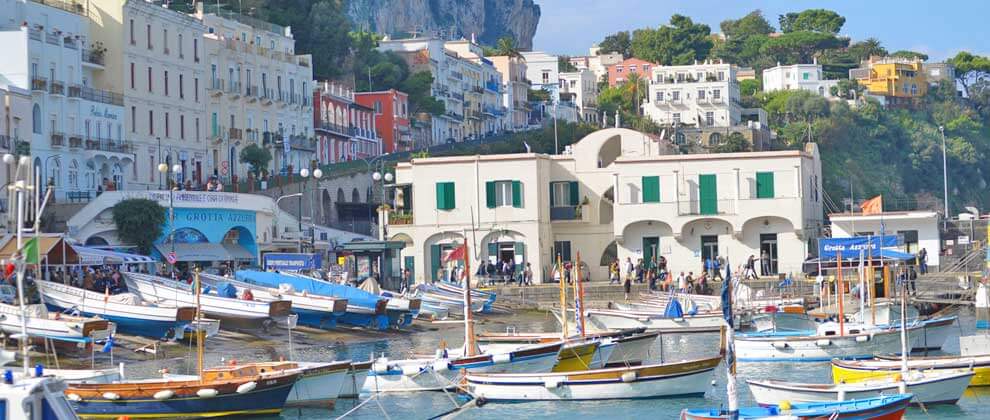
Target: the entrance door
pixel 651 247
pixel 709 247
pixel 708 193
pixel 768 244
pixel 409 263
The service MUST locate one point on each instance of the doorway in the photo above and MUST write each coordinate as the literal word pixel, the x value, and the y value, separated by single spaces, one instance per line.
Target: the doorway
pixel 709 247
pixel 768 245
pixel 651 247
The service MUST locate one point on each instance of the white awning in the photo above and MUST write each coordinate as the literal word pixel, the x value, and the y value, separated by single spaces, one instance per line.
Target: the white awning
pixel 95 256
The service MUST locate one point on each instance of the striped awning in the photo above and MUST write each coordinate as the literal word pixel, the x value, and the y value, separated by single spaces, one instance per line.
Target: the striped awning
pixel 96 256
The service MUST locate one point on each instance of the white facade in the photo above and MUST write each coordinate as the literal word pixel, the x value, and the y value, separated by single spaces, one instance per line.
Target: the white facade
pixel 543 72
pixel 597 63
pixel 529 207
pixel 258 89
pixel 918 229
pixel 76 132
pixel 798 76
pixel 699 95
pixel 584 86
pixel 485 113
pixel 15 125
pixel 515 91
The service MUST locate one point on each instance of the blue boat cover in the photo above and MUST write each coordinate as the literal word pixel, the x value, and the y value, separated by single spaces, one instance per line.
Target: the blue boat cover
pixel 353 295
pixel 673 309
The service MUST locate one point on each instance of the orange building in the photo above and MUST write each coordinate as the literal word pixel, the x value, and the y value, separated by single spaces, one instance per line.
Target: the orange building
pixel 391 118
pixel 619 72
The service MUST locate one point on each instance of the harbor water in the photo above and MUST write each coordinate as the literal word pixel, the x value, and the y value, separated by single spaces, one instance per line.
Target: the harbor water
pixel 312 345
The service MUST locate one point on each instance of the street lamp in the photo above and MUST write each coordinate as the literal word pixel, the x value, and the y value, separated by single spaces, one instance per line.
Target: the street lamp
pixel 163 169
pixel 945 179
pixel 385 180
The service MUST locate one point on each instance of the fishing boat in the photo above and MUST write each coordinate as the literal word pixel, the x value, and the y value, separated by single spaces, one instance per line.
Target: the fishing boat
pixel 35 398
pixel 844 371
pixel 487 299
pixel 432 295
pixel 689 378
pixel 364 309
pixel 630 346
pixel 934 331
pixel 826 343
pixel 319 384
pixel 780 319
pixel 170 292
pixel 313 310
pixel 606 320
pixel 41 323
pixel 357 375
pixel 128 311
pixel 427 311
pixel 928 387
pixel 882 408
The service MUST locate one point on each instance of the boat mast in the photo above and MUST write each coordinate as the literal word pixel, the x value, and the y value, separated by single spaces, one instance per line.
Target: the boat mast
pixel 904 346
pixel 862 285
pixel 873 282
pixel 19 195
pixel 469 347
pixel 579 296
pixel 563 299
pixel 839 296
pixel 199 331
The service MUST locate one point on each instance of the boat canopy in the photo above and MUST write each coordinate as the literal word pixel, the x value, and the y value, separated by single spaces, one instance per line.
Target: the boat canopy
pixel 885 257
pixel 96 256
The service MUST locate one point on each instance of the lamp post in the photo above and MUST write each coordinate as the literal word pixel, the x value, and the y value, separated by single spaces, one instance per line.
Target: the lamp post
pixel 945 179
pixel 160 160
pixel 304 173
pixel 317 174
pixel 276 209
pixel 163 168
pixel 385 180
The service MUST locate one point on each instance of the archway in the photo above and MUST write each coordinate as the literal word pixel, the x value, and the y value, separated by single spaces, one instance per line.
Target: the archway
pixel 187 235
pixel 355 196
pixel 610 150
pixel 245 248
pixel 340 196
pixel 605 211
pixel 96 241
pixel 436 250
pixel 769 236
pixel 326 201
pixel 645 239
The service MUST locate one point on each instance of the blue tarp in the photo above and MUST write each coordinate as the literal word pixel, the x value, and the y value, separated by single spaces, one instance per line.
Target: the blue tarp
pixel 895 255
pixel 673 310
pixel 353 295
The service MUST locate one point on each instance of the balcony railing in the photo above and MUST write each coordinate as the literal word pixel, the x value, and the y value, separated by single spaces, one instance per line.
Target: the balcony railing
pixel 335 128
pixel 705 207
pixel 70 43
pixel 96 95
pixel 94 57
pixel 58 139
pixel 35 34
pixel 400 217
pixel 234 88
pixel 56 88
pixel 73 6
pixel 53 38
pixel 108 145
pixel 457 95
pixel 235 134
pixel 302 143
pixel 567 213
pixel 39 84
pixel 216 84
pixel 75 141
pixel 251 91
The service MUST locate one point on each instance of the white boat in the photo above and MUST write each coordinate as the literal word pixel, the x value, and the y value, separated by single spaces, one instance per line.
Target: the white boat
pixel 128 311
pixel 44 324
pixel 858 342
pixel 314 310
pixel 357 375
pixel 441 372
pixel 928 387
pixel 608 320
pixel 688 378
pixel 170 292
pixel 36 398
pixel 628 347
pixel 935 331
pixel 783 321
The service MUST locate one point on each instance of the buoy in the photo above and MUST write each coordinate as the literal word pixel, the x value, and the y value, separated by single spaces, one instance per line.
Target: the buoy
pixel 410 370
pixel 862 338
pixel 247 387
pixel 164 395
pixel 784 405
pixel 502 358
pixel 207 393
pixel 74 397
pixel 628 377
pixel 779 345
pixel 823 342
pixel 111 396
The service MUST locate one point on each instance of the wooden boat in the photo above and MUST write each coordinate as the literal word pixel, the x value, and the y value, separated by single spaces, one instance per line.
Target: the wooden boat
pixel 928 387
pixel 858 342
pixel 882 408
pixel 313 310
pixel 128 311
pixel 577 356
pixel 41 323
pixel 690 378
pixel 364 309
pixel 605 320
pixel 357 375
pixel 630 346
pixel 319 384
pixel 886 366
pixel 228 391
pixel 170 292
pixel 438 373
pixel 485 299
pixel 429 294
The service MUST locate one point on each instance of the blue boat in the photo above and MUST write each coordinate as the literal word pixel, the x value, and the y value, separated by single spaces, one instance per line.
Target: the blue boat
pixel 364 309
pixel 880 408
pixel 313 310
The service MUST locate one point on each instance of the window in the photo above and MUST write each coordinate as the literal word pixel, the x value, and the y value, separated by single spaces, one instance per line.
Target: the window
pixel 180 45
pixel 805 75
pixel 378 107
pixel 701 94
pixel 651 189
pixel 166 82
pixel 676 117
pixel 166 125
pixel 564 194
pixel 721 76
pixel 196 50
pixel 197 129
pixel 561 249
pixel 150 82
pixel 709 118
pixel 132 76
pixel 503 194
pixel 445 196
pixel 182 90
pixel 134 119
pixel 131 30
pixel 764 185
pixel 659 96
pixel 715 139
pixel 214 125
pixel 716 94
pixel 182 126
pixel 36 119
pixel 151 122
pixel 165 40
pixel 148 33
pixel 675 95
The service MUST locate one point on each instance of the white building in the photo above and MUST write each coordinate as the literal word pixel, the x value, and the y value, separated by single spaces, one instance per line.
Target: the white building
pixel 515 90
pixel 15 126
pixel 614 195
pixel 259 92
pixel 698 95
pixel 542 70
pixel 485 113
pixel 76 131
pixel 596 62
pixel 582 86
pixel 798 76
pixel 917 229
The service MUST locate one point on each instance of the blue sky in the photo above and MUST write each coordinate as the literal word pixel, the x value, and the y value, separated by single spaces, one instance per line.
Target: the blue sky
pixel 937 28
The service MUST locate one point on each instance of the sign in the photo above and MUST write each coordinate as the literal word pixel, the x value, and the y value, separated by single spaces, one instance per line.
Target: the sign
pixel 292 261
pixel 850 247
pixel 184 197
pixel 171 258
pixel 104 113
pixel 963 240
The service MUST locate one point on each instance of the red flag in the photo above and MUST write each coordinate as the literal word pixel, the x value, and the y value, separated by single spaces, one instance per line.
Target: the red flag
pixel 872 206
pixel 456 254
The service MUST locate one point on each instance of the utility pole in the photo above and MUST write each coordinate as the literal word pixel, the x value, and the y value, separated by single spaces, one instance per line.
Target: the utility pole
pixel 945 179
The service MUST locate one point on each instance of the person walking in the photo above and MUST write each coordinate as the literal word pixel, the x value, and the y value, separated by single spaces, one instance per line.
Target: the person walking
pixel 627 285
pixel 764 263
pixel 923 260
pixel 629 268
pixel 683 282
pixel 528 275
pixel 912 277
pixel 613 272
pixel 717 263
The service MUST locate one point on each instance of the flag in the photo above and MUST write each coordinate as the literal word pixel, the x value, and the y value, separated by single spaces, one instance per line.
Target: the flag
pixel 872 206
pixel 30 251
pixel 456 254
pixel 108 346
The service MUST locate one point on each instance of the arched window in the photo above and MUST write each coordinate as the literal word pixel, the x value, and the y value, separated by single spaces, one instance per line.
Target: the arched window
pixel 90 176
pixel 118 177
pixel 55 171
pixel 715 139
pixel 355 196
pixel 36 119
pixel 340 196
pixel 73 174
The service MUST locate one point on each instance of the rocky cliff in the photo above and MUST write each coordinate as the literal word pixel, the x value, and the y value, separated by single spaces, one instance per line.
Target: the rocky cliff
pixel 488 20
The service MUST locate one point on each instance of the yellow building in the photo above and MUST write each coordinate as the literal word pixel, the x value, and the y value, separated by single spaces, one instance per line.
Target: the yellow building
pixel 894 78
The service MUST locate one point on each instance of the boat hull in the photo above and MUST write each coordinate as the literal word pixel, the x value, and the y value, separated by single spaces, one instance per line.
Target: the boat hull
pixel 815 348
pixel 944 388
pixel 874 369
pixel 318 386
pixel 617 320
pixel 354 382
pixel 172 293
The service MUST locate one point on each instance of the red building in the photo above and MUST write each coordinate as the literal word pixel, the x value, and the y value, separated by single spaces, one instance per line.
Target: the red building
pixel 619 72
pixel 391 117
pixel 332 122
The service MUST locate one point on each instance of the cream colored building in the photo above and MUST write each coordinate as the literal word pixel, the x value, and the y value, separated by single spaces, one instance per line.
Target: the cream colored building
pixel 582 86
pixel 258 92
pixel 515 90
pixel 615 193
pixel 155 55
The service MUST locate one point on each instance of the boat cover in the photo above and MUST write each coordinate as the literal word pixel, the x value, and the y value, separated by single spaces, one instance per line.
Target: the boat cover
pixel 353 295
pixel 673 309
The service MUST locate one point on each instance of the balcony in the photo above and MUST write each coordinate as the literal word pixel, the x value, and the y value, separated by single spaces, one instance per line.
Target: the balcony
pixel 567 213
pixel 251 93
pixel 35 34
pixel 302 143
pixel 58 139
pixel 53 38
pixel 270 138
pixel 96 95
pixel 397 217
pixel 56 88
pixel 267 96
pixel 39 84
pixel 70 43
pixel 234 89
pixel 335 129
pixel 72 6
pixel 235 134
pixel 75 141
pixel 457 95
pixel 251 135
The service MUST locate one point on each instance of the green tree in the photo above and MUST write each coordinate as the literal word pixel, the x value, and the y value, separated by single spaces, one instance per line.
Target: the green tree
pixel 910 55
pixel 814 20
pixel 564 64
pixel 538 95
pixel 507 46
pixel 619 42
pixel 866 48
pixel 139 222
pixel 256 156
pixel 733 143
pixel 800 46
pixel 752 24
pixel 749 87
pixel 418 86
pixel 679 43
pixel 325 36
pixel 970 69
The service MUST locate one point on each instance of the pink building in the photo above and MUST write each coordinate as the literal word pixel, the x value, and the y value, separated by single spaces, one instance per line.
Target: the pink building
pixel 345 129
pixel 619 72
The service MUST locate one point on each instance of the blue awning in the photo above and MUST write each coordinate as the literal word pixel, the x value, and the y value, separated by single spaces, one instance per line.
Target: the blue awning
pixel 96 256
pixel 891 254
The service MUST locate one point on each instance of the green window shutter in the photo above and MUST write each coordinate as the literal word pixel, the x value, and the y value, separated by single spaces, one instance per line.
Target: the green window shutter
pixel 490 194
pixel 574 193
pixel 651 189
pixel 434 260
pixel 451 202
pixel 441 196
pixel 517 194
pixel 764 185
pixel 708 194
pixel 493 249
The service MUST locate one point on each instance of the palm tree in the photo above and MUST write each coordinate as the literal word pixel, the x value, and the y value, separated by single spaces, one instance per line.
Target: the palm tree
pixel 507 46
pixel 635 85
